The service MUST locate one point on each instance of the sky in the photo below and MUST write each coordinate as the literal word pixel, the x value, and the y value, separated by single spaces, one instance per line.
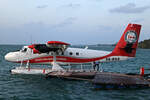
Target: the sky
pixel 71 21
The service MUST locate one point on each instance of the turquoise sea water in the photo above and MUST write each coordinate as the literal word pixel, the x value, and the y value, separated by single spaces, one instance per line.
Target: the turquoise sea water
pixel 37 87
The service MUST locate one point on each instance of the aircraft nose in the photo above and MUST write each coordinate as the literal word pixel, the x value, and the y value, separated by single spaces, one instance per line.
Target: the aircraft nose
pixel 9 57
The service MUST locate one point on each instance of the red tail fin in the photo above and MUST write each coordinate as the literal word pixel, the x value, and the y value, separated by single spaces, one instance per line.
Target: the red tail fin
pixel 128 43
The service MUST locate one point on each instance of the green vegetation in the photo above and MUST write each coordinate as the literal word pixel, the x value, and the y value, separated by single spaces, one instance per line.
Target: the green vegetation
pixel 144 44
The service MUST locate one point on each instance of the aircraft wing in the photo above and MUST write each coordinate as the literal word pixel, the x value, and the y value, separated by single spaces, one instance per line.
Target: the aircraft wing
pixel 50 46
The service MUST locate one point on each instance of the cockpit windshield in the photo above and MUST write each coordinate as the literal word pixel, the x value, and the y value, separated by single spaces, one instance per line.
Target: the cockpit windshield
pixel 24 50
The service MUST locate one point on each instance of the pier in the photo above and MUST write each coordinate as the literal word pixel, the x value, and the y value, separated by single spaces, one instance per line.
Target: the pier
pixel 104 80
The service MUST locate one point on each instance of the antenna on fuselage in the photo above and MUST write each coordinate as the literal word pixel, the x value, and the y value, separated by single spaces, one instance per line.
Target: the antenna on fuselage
pixel 86 47
pixel 31 38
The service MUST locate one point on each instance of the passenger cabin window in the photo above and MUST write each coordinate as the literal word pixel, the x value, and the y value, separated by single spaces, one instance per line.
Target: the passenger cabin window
pixel 77 53
pixel 71 53
pixel 62 53
pixel 113 59
pixel 57 53
pixel 51 53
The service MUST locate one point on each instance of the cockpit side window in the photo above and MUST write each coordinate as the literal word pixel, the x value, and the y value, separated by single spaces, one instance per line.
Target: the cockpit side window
pixel 24 50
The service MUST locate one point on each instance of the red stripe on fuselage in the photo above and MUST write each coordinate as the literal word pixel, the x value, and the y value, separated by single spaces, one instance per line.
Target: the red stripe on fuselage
pixel 65 59
pixel 39 60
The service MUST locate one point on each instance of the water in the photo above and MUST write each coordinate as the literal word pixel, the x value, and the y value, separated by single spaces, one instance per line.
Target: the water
pixel 36 87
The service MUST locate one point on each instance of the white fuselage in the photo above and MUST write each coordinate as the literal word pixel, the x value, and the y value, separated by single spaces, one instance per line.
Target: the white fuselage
pixel 70 56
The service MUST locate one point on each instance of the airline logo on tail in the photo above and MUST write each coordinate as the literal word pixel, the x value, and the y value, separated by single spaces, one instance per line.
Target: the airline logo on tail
pixel 128 42
pixel 131 37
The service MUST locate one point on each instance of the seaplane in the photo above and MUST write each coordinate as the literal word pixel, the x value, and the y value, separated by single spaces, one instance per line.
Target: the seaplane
pixel 59 54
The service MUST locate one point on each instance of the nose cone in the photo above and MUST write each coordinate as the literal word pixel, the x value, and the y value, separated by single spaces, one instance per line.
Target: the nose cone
pixel 9 57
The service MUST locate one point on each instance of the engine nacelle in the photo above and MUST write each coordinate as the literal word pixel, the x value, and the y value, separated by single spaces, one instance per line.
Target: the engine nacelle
pixel 35 51
pixel 31 46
